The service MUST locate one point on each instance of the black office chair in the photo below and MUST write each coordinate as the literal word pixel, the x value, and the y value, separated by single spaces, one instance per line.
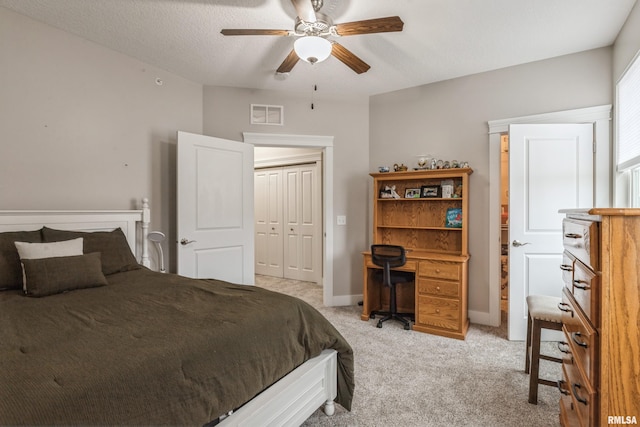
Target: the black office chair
pixel 388 257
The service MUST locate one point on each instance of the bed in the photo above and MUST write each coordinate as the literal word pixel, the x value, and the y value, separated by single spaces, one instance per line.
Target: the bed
pixel 97 337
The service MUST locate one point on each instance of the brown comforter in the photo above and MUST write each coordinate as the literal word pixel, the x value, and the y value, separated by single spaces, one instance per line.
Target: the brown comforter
pixel 153 349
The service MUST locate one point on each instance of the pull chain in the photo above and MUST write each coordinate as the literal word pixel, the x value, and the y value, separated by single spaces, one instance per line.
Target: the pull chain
pixel 315 88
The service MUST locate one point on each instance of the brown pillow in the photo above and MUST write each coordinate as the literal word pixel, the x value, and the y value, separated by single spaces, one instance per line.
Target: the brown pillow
pixel 10 268
pixel 48 276
pixel 116 253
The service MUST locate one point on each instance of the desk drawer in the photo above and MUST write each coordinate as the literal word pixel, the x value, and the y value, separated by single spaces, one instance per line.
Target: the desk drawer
pixel 409 265
pixel 439 312
pixel 439 287
pixel 440 270
pixel 581 239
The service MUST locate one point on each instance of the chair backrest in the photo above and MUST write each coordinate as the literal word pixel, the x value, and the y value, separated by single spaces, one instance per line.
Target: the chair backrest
pixel 388 255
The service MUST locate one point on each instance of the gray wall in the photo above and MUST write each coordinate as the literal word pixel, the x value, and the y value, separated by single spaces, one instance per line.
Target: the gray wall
pixel 85 127
pixel 449 121
pixel 625 49
pixel 627 44
pixel 226 115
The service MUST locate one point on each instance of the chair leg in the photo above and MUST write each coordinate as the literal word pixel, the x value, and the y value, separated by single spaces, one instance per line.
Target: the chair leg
pixel 535 363
pixel 527 363
pixel 393 311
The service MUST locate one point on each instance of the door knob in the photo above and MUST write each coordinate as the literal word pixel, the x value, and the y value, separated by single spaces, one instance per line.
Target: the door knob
pixel 185 242
pixel 517 243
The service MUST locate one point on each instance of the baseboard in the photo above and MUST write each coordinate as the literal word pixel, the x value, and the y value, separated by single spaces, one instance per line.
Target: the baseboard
pixel 344 300
pixel 480 318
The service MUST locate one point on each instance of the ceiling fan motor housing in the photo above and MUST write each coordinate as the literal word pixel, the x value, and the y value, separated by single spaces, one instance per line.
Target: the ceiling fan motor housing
pixel 322 26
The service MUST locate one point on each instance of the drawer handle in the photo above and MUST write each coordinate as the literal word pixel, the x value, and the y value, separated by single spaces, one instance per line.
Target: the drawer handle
pixel 566 349
pixel 561 389
pixel 577 284
pixel 575 393
pixel 573 236
pixel 566 267
pixel 575 336
pixel 561 306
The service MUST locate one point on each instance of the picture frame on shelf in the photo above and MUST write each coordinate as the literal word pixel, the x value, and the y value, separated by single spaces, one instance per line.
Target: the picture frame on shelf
pixel 412 193
pixel 430 191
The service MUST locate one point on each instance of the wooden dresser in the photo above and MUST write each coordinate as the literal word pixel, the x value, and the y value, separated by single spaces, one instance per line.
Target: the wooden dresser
pixel 601 318
pixel 437 252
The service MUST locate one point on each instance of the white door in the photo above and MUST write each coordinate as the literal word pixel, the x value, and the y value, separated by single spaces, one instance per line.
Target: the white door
pixel 550 168
pixel 303 223
pixel 268 222
pixel 215 208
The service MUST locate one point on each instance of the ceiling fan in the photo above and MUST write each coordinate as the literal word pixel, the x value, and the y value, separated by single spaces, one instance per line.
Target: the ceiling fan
pixel 313 29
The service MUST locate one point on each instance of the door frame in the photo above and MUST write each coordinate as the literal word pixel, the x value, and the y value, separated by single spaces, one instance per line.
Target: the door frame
pixel 324 143
pixel 600 117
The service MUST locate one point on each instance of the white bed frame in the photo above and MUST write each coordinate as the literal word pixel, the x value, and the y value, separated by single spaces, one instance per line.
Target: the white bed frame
pixel 289 402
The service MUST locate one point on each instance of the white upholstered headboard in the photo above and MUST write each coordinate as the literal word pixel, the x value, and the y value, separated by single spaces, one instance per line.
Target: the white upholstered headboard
pixel 134 224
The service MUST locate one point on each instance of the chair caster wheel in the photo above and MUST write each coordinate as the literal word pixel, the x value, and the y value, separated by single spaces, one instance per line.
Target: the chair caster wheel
pixel 407 327
pixel 379 325
pixel 372 316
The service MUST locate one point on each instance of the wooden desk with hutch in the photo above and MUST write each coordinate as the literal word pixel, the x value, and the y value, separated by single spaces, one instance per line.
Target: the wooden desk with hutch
pixel 437 254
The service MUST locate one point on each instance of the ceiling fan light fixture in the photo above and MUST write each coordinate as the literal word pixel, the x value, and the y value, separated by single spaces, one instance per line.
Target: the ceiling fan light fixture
pixel 312 49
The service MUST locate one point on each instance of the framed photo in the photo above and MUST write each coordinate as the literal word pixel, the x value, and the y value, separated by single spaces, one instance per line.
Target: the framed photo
pixel 430 191
pixel 412 193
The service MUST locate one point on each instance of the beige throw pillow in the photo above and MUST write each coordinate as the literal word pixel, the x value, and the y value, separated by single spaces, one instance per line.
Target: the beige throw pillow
pixel 47 250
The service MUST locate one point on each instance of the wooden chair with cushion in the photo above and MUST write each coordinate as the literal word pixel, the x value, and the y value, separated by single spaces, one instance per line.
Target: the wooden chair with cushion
pixel 543 314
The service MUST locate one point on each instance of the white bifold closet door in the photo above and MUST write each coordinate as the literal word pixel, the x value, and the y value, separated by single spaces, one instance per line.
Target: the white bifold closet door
pixel 289 222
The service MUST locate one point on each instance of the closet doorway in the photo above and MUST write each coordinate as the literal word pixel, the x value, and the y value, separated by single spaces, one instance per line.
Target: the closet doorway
pixel 288 213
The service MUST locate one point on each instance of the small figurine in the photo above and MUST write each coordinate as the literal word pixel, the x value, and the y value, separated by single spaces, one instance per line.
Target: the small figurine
pixel 389 193
pixel 458 192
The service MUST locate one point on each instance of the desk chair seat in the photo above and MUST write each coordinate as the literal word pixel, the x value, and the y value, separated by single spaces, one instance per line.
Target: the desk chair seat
pixel 543 314
pixel 389 257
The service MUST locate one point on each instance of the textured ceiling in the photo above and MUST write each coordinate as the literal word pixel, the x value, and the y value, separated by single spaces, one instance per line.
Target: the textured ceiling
pixel 442 39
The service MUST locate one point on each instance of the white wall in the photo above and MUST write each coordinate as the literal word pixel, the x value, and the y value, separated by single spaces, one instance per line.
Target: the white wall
pixel 449 121
pixel 226 115
pixel 85 127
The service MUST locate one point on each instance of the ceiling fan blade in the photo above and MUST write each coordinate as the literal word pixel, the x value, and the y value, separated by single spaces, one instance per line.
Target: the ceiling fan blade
pixel 304 9
pixel 289 62
pixel 228 32
pixel 350 60
pixel 370 26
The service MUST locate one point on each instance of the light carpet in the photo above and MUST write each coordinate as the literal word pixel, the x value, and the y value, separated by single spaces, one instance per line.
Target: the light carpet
pixel 408 378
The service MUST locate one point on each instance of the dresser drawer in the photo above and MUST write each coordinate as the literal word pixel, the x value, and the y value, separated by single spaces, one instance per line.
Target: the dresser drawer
pixel 568 414
pixel 440 270
pixel 583 395
pixel 581 239
pixel 439 312
pixel 585 288
pixel 581 337
pixel 439 287
pixel 567 268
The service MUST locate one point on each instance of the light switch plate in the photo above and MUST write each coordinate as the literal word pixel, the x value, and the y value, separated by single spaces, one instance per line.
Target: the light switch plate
pixel 341 220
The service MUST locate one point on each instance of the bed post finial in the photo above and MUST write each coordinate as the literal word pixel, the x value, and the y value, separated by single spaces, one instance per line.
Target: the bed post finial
pixel 146 220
